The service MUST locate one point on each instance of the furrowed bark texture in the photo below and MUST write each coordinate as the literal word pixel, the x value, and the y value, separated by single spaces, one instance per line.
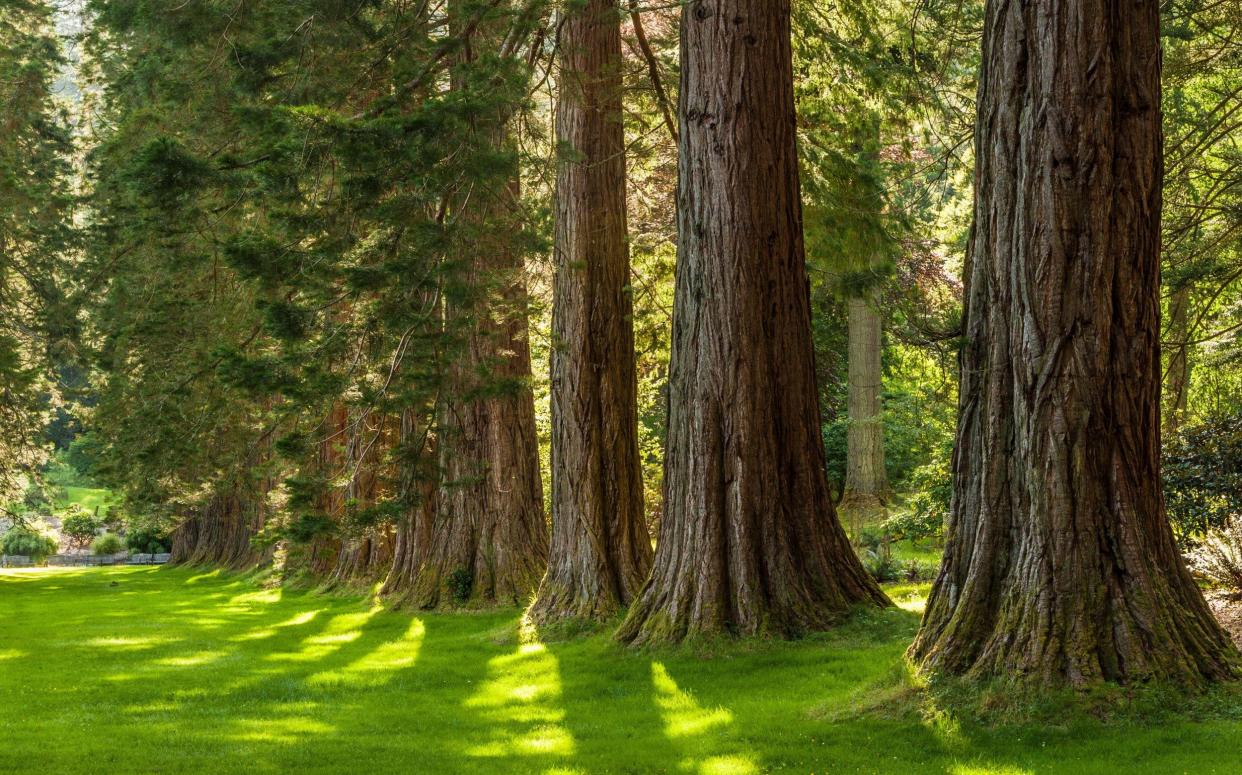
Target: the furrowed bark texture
pixel 601 552
pixel 749 542
pixel 1060 565
pixel 866 484
pixel 419 478
pixel 363 559
pixel 489 540
pixel 219 534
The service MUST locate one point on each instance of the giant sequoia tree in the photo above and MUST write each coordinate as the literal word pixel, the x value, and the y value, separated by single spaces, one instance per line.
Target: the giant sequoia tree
pixel 1060 565
pixel 600 551
pixel 749 542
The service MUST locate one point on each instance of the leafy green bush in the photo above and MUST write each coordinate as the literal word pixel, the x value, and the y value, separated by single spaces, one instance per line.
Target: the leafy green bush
pixel 1203 476
pixel 917 523
pixel 79 525
pixel 881 565
pixel 108 543
pixel 916 570
pixel 148 539
pixel 460 584
pixel 28 540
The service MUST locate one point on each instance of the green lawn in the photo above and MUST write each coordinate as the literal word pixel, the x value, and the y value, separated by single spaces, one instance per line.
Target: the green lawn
pixel 163 670
pixel 89 498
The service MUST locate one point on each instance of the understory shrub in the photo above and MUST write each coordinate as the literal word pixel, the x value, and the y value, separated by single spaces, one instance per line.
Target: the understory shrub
pixel 460 584
pixel 108 543
pixel 29 540
pixel 1218 557
pixel 148 539
pixel 1202 466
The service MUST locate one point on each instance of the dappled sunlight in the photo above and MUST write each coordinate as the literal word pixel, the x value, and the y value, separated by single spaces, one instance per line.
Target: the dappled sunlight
pixel 191 660
pixel 381 662
pixel 682 715
pixel 253 635
pixel 306 617
pixel 284 731
pixel 129 644
pixel 988 769
pixel 521 703
pixel 6 654
pixel 340 630
pixel 699 730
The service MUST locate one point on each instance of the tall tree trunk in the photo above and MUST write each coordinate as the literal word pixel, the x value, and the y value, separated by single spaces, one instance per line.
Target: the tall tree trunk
pixel 601 552
pixel 1177 393
pixel 749 542
pixel 1060 565
pixel 866 485
pixel 366 556
pixel 419 478
pixel 219 534
pixel 489 540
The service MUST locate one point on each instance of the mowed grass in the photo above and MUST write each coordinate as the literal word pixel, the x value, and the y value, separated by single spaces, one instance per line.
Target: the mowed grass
pixel 173 670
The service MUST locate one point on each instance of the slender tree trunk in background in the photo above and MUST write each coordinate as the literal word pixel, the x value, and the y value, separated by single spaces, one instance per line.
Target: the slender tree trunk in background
pixel 1177 381
pixel 749 542
pixel 865 500
pixel 318 557
pixel 1060 566
pixel 601 552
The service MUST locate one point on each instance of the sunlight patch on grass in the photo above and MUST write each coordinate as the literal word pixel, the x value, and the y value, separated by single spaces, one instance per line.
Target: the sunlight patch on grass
pixel 6 654
pixel 380 663
pixel 129 644
pixel 253 635
pixel 280 730
pixel 306 617
pixel 191 660
pixel 980 769
pixel 341 630
pixel 520 702
pixel 697 727
pixel 203 577
pixel 682 715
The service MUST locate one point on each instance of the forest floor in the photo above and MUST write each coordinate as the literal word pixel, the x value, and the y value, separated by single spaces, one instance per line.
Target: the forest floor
pixel 172 670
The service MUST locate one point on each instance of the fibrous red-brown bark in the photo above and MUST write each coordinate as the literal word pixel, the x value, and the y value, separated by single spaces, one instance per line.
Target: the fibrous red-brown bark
pixel 600 552
pixel 1060 564
pixel 419 479
pixel 220 533
pixel 749 542
pixel 489 542
pixel 365 556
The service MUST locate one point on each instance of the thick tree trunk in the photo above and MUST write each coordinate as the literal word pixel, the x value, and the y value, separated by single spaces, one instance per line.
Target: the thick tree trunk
pixel 220 533
pixel 865 500
pixel 419 478
pixel 366 557
pixel 601 552
pixel 749 542
pixel 489 540
pixel 1177 393
pixel 1060 565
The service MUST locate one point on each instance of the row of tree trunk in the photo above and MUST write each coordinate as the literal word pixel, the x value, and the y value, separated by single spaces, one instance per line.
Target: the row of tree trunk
pixel 1060 564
